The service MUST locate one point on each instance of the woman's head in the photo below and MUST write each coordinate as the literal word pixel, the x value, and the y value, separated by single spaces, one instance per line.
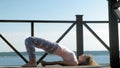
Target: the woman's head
pixel 86 60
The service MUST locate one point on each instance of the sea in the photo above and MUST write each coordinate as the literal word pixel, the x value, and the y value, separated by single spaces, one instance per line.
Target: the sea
pixel 11 58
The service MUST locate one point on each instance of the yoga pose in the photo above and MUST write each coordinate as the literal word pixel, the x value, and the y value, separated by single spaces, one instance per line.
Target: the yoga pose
pixel 69 58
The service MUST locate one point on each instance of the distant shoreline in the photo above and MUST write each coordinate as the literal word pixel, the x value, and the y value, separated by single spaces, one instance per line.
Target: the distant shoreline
pixel 73 51
pixel 42 52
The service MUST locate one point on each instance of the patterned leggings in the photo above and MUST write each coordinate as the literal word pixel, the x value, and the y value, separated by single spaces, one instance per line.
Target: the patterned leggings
pixel 32 42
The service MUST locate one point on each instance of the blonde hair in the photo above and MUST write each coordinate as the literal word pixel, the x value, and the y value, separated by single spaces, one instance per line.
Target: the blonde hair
pixel 89 61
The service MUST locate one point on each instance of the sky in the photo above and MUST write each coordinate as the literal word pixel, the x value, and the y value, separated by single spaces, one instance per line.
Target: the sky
pixel 16 33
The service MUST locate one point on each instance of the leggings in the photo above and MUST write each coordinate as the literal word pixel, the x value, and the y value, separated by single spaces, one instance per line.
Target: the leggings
pixel 32 42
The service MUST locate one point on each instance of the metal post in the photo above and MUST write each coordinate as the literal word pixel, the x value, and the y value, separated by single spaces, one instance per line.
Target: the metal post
pixel 79 35
pixel 114 39
pixel 32 28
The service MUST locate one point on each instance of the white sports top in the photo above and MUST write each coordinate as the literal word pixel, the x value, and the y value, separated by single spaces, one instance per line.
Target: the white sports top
pixel 66 54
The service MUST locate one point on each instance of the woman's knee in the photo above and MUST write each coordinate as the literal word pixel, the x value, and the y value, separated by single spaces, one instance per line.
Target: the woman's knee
pixel 28 40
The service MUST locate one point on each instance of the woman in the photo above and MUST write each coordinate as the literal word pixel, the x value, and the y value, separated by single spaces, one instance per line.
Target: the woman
pixel 82 60
pixel 69 58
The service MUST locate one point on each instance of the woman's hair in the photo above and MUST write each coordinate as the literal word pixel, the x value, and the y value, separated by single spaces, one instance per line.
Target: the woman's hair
pixel 89 61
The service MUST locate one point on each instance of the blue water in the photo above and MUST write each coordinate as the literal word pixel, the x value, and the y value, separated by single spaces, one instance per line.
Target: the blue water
pixel 11 58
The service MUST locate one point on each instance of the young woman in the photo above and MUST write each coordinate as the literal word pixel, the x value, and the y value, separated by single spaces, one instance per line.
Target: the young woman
pixel 69 58
pixel 82 60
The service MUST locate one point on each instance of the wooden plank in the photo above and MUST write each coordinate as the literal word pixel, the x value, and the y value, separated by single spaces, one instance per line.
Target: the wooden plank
pixel 114 38
pixel 79 35
pixel 57 66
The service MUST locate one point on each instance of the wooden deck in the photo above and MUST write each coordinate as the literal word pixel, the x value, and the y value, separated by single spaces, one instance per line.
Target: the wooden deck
pixel 57 66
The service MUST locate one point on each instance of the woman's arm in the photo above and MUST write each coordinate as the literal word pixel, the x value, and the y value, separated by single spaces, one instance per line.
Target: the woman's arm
pixel 44 63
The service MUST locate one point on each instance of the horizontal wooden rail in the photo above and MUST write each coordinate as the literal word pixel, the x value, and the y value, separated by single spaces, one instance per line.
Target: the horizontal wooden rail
pixel 50 21
pixel 39 21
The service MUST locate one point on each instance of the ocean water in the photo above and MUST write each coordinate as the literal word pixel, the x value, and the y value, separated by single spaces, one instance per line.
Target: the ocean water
pixel 11 58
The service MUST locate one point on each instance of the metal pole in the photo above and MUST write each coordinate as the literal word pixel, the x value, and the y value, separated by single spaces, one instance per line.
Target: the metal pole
pixel 32 28
pixel 113 33
pixel 79 35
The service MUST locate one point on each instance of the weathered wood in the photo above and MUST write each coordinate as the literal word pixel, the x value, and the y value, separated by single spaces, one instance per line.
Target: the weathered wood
pixel 113 32
pixel 79 35
pixel 57 66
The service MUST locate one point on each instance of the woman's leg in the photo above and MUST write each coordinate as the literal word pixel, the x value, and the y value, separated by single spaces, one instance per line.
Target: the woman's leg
pixel 31 51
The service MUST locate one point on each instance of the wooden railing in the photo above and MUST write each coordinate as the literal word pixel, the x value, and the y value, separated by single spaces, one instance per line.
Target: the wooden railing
pixel 79 33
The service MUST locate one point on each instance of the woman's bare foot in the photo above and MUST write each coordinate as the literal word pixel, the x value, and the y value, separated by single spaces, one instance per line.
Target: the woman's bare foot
pixel 30 65
pixel 43 63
